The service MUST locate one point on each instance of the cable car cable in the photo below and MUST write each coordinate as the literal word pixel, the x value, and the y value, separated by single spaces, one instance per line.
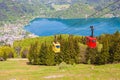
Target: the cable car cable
pixel 100 16
pixel 89 16
pixel 104 8
pixel 109 11
pixel 91 45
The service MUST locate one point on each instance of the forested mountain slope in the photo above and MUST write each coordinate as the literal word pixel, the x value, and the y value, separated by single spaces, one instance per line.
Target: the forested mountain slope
pixel 15 9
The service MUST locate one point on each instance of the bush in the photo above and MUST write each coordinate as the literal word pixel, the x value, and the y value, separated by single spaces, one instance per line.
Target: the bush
pixel 5 56
pixel 6 52
pixel 63 65
pixel 24 53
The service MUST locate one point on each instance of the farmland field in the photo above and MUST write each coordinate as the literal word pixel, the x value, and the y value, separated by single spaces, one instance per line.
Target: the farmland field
pixel 20 70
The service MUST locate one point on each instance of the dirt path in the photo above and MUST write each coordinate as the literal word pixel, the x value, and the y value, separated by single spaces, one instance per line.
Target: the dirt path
pixel 54 76
pixel 17 59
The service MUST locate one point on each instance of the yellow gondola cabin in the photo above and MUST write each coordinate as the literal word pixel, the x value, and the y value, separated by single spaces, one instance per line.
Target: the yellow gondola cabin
pixel 56 47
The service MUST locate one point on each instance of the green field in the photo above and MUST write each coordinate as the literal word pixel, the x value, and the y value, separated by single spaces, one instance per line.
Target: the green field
pixel 20 70
pixel 61 7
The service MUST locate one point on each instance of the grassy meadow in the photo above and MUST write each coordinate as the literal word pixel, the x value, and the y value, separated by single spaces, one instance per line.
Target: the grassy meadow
pixel 20 70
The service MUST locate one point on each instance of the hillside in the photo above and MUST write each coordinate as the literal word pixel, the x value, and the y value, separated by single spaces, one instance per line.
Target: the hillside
pixel 16 9
pixel 19 70
pixel 13 10
pixel 25 56
pixel 18 13
pixel 72 46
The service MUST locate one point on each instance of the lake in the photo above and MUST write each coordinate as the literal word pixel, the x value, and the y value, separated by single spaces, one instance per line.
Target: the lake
pixel 52 26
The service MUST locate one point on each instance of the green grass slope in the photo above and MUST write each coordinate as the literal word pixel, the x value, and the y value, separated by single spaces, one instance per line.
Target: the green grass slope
pixel 19 70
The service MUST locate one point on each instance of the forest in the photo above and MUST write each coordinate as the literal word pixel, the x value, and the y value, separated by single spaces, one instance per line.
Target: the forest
pixel 12 10
pixel 73 50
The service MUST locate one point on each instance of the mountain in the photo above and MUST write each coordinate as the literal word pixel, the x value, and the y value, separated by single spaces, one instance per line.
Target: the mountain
pixel 16 9
pixel 13 9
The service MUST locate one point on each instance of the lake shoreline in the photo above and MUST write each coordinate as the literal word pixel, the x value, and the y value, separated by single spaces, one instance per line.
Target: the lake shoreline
pixel 12 31
pixel 51 23
pixel 20 24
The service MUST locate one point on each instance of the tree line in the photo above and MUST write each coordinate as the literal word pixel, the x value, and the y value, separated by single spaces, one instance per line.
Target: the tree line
pixel 45 55
pixel 72 52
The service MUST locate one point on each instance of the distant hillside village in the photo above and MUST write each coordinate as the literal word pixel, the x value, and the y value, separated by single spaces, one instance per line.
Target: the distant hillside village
pixel 11 32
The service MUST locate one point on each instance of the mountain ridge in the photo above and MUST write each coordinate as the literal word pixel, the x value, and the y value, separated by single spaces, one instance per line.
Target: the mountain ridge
pixel 15 9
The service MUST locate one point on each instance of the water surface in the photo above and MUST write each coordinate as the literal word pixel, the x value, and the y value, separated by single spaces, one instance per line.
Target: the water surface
pixel 52 26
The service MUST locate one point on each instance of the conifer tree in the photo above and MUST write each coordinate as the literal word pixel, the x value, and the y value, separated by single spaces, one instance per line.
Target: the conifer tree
pixel 117 52
pixel 35 56
pixel 104 55
pixel 50 56
pixel 46 55
pixel 113 45
pixel 91 55
pixel 33 53
pixel 77 50
pixel 71 50
pixel 65 52
pixel 42 54
pixel 60 57
pixel 30 54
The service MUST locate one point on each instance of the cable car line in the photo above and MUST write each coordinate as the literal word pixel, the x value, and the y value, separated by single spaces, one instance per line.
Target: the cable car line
pixel 90 40
pixel 104 8
pixel 89 17
pixel 102 15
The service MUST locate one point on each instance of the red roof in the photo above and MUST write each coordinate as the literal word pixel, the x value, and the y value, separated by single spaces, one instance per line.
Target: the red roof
pixel 91 37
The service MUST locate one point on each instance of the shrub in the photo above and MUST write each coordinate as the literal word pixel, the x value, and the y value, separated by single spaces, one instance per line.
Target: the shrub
pixel 24 53
pixel 63 65
pixel 6 52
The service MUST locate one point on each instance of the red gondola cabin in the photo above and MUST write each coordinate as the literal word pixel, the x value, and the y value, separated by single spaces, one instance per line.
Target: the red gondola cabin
pixel 90 40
